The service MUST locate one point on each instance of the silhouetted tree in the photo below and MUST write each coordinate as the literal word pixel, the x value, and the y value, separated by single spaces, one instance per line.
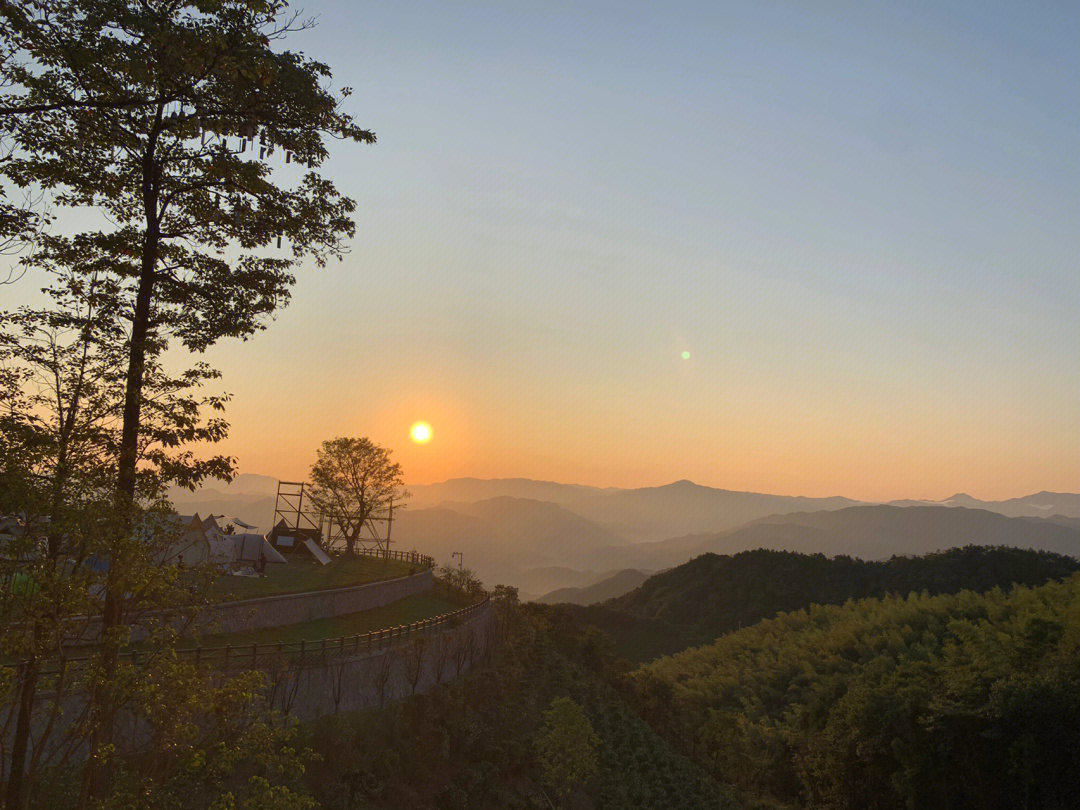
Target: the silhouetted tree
pixel 352 480
pixel 163 115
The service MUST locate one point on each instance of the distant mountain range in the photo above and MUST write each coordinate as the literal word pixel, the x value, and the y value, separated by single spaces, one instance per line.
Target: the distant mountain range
pixel 871 532
pixel 1041 504
pixel 248 497
pixel 507 540
pixel 543 535
pixel 634 515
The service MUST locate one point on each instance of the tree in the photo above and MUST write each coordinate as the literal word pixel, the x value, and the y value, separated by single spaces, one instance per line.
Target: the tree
pixel 57 389
pixel 59 434
pixel 149 112
pixel 353 480
pixel 566 747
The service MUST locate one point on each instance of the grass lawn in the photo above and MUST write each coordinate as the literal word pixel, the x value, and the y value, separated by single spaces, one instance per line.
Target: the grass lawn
pixel 300 574
pixel 404 611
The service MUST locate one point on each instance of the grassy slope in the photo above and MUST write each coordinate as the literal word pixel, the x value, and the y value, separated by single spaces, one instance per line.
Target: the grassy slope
pixel 403 611
pixel 298 575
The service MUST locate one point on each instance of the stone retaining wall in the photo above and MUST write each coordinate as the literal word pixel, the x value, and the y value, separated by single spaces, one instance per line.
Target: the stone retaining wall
pixel 319 683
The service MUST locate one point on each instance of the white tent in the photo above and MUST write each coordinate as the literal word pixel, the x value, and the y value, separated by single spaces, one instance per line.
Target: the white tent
pixel 248 547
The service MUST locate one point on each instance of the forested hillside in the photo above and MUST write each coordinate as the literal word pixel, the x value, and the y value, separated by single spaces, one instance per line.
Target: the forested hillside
pixel 474 744
pixel 711 595
pixel 949 701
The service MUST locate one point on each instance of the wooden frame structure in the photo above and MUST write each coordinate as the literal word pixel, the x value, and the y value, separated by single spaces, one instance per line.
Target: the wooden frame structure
pixel 297 517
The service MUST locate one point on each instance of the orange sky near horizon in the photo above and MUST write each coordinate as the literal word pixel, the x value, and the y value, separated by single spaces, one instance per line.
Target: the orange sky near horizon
pixel 858 221
pixel 696 420
pixel 874 472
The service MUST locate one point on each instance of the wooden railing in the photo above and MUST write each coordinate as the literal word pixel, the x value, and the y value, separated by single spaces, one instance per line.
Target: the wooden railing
pixel 414 557
pixel 248 656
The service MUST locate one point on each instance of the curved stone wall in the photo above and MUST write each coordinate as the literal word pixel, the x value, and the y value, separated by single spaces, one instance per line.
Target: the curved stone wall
pixel 329 683
pixel 323 679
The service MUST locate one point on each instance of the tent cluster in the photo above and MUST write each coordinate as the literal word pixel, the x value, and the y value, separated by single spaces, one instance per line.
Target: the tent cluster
pixel 192 540
pixel 220 540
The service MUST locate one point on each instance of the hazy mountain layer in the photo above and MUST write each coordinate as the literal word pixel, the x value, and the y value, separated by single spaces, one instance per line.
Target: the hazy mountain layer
pixel 1040 504
pixel 504 538
pixel 622 582
pixel 468 490
pixel 655 513
pixel 877 532
pixel 573 534
pixel 637 515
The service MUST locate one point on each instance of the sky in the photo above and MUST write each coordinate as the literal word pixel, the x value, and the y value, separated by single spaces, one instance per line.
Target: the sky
pixel 816 249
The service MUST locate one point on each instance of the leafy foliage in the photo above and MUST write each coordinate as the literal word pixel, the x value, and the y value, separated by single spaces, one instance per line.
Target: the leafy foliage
pixel 566 747
pixel 143 112
pixel 712 594
pixel 472 743
pixel 60 433
pixel 961 700
pixel 352 480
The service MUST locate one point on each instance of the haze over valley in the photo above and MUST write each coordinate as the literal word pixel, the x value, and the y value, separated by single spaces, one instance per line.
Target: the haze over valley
pixel 542 536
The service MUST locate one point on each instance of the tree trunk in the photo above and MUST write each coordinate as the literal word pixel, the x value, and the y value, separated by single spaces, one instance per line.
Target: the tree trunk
pixel 30 670
pixel 28 678
pixel 98 774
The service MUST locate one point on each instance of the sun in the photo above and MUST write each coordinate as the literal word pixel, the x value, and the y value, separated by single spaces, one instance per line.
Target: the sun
pixel 420 432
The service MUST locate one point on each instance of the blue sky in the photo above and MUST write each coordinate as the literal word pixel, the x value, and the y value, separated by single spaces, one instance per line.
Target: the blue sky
pixel 859 219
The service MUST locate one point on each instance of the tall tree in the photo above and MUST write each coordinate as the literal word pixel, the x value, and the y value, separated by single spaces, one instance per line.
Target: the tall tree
pixel 62 395
pixel 353 480
pixel 166 116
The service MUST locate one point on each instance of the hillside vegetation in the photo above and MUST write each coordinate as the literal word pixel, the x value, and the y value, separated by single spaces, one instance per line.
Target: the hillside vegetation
pixel 472 744
pixel 712 594
pixel 959 700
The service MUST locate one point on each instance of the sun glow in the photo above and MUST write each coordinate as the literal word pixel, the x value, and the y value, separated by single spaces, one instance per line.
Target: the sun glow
pixel 420 432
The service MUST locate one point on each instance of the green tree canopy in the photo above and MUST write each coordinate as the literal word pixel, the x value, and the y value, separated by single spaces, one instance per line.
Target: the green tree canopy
pixel 566 747
pixel 197 139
